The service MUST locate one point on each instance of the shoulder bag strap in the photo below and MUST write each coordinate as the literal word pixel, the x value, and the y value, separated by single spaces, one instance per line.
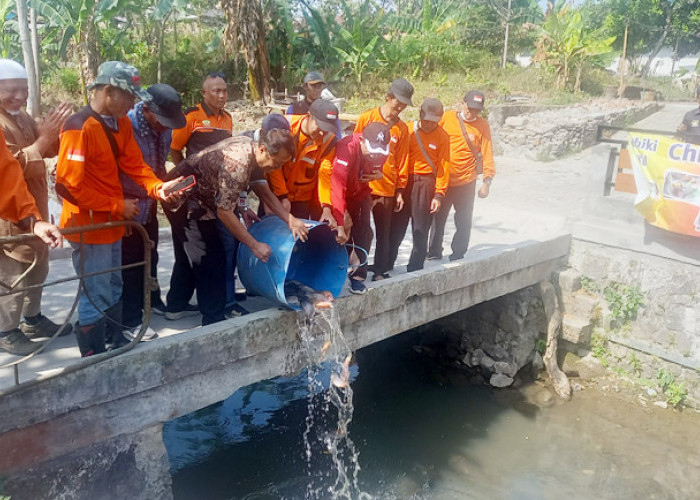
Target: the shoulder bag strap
pixel 422 148
pixel 478 157
pixel 109 133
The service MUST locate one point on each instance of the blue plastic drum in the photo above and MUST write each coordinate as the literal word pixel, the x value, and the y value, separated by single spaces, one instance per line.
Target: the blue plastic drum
pixel 319 262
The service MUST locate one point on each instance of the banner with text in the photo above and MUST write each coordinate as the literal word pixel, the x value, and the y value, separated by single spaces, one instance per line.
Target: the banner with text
pixel 667 175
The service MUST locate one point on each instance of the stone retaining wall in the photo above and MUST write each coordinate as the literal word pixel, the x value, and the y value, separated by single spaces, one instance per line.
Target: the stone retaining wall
pixel 665 333
pixel 547 134
pixel 497 338
pixel 656 349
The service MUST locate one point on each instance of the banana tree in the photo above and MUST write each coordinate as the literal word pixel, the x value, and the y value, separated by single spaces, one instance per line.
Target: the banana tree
pixel 425 36
pixel 356 59
pixel 8 28
pixel 77 23
pixel 160 14
pixel 246 26
pixel 565 43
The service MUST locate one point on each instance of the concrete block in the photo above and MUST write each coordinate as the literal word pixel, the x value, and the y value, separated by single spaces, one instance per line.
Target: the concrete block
pixel 569 281
pixel 569 364
pixel 590 367
pixel 576 330
pixel 581 305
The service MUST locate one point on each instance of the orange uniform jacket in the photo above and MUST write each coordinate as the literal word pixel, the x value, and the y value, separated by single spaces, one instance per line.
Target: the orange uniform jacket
pixel 396 166
pixel 309 172
pixel 437 147
pixel 462 163
pixel 16 203
pixel 87 175
pixel 203 129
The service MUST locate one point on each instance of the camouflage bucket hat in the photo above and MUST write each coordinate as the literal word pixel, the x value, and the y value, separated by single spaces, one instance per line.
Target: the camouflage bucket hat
pixel 122 75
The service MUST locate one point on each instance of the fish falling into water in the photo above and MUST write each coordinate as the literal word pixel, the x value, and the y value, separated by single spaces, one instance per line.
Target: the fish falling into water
pixel 307 298
pixel 341 378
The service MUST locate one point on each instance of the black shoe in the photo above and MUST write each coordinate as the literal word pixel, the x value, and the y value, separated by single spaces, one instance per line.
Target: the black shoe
pixel 92 341
pixel 454 257
pixel 380 276
pixel 158 308
pixel 15 342
pixel 357 287
pixel 189 310
pixel 236 311
pixel 40 327
pixel 433 257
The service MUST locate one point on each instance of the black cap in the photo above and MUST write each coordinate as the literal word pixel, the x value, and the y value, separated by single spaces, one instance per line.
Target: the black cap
pixel 475 99
pixel 402 90
pixel 275 121
pixel 431 110
pixel 166 105
pixel 313 77
pixel 377 137
pixel 326 115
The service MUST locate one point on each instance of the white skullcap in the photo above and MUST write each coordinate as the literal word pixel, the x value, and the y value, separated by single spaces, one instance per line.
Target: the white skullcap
pixel 12 70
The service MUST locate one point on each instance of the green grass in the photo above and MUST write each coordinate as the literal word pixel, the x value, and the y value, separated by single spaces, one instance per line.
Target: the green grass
pixel 498 84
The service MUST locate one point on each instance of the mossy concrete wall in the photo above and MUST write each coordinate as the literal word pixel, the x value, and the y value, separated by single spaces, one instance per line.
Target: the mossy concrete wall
pixel 665 331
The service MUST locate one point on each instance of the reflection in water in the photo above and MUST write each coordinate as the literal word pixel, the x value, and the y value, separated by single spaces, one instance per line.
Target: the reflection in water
pixel 423 431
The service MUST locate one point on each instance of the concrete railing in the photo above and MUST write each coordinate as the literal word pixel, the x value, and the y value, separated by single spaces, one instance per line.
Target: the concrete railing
pixel 116 407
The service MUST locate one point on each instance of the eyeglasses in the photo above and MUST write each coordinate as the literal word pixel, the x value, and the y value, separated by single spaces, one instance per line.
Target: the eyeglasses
pixel 217 74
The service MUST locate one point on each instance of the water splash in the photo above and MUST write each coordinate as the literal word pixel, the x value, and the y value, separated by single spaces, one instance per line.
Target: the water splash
pixel 329 406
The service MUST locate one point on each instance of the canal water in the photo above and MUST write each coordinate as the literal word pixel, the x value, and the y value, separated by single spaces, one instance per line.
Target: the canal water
pixel 424 430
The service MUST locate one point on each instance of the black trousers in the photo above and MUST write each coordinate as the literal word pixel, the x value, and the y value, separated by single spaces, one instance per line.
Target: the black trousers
pixel 423 193
pixel 206 255
pixel 462 198
pixel 132 251
pixel 361 232
pixel 306 210
pixel 182 279
pixel 382 211
pixel 399 224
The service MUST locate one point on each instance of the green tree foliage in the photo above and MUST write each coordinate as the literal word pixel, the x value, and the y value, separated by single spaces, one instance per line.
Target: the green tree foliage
pixel 566 44
pixel 274 42
pixel 652 25
pixel 8 31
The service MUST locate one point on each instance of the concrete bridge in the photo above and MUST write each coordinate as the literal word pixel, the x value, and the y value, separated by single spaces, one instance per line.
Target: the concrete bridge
pixel 96 432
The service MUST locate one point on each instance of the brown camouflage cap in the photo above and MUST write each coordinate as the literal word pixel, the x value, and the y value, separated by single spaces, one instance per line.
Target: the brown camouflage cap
pixel 122 75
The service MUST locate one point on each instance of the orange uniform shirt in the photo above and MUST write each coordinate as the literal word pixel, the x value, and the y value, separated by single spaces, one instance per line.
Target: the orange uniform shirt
pixel 308 174
pixel 462 163
pixel 204 128
pixel 396 166
pixel 16 203
pixel 87 175
pixel 437 146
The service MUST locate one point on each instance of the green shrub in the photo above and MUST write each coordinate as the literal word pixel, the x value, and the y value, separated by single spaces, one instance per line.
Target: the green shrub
pixel 675 392
pixel 594 80
pixel 69 79
pixel 624 301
